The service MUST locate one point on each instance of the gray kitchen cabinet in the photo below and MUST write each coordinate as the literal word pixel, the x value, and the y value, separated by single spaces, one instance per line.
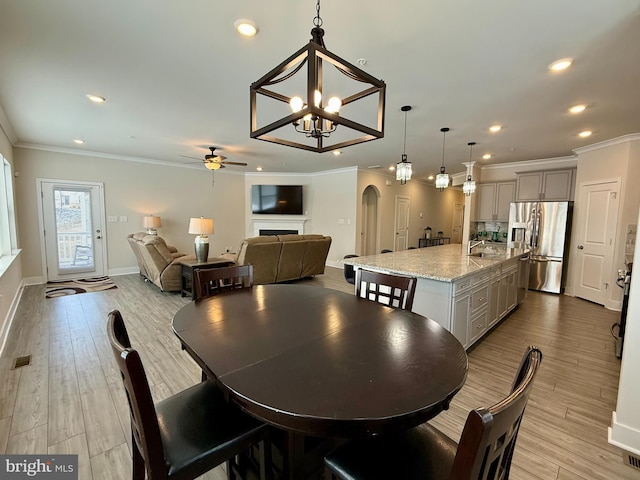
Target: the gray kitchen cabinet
pixel 494 200
pixel 552 185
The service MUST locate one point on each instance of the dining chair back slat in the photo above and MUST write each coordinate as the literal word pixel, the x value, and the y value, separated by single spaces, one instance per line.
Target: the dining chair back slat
pixel 212 281
pixel 392 290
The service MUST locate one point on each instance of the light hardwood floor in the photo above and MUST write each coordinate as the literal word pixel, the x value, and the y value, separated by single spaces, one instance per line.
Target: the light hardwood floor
pixel 70 399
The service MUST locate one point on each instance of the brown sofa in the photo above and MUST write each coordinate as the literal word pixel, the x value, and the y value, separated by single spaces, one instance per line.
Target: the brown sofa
pixel 278 258
pixel 158 262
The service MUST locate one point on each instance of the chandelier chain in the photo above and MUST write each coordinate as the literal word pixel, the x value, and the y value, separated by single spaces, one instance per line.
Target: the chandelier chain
pixel 317 21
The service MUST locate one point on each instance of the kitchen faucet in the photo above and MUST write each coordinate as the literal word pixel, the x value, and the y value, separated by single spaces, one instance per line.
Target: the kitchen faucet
pixel 473 244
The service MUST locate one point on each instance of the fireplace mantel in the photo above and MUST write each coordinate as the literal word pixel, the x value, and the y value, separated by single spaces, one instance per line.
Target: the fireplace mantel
pixel 278 223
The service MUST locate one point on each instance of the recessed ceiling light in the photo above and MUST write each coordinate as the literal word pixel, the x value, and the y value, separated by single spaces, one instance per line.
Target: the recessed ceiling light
pixel 392 168
pixel 561 64
pixel 430 177
pixel 337 152
pixel 245 27
pixel 585 133
pixel 486 156
pixel 578 108
pixel 78 141
pixel 495 128
pixel 96 98
pixel 259 169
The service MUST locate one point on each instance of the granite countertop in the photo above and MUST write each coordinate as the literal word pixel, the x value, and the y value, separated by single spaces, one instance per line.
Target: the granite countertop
pixel 445 263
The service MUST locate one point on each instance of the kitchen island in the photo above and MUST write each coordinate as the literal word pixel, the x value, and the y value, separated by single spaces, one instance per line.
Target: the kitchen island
pixel 466 294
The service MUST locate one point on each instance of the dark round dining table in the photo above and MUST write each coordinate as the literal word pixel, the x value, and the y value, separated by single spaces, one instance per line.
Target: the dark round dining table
pixel 323 363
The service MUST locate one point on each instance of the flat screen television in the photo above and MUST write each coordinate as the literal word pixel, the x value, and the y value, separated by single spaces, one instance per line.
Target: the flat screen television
pixel 276 199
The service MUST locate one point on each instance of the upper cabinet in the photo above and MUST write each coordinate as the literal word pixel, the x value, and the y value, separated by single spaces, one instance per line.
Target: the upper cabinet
pixel 494 200
pixel 553 185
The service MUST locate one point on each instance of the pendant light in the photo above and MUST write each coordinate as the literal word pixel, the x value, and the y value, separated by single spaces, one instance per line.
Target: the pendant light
pixel 442 179
pixel 314 105
pixel 469 186
pixel 403 168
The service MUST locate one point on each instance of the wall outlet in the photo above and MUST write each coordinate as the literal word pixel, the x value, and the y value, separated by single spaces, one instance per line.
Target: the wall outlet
pixel 123 218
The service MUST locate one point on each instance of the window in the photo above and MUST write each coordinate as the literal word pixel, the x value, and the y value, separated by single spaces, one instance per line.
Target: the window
pixel 8 241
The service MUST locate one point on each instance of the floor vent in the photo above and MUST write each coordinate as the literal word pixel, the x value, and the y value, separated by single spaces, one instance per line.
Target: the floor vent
pixel 22 361
pixel 632 460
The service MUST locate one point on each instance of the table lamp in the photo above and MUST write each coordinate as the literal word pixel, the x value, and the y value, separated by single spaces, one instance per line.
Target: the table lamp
pixel 202 227
pixel 151 222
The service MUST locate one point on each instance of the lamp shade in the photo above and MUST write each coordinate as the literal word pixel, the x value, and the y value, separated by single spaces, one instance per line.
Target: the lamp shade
pixel 151 221
pixel 201 226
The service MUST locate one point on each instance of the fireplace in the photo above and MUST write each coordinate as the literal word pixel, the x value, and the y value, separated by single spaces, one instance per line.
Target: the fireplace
pixel 278 226
pixel 267 231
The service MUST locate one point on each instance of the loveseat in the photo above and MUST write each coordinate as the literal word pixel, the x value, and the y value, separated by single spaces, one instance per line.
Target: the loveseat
pixel 158 262
pixel 279 258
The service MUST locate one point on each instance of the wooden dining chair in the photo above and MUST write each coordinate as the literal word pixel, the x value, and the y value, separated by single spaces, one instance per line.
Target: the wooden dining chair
pixel 395 291
pixel 484 452
pixel 212 281
pixel 189 433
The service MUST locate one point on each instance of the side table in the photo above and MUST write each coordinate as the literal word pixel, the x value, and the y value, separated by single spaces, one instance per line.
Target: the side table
pixel 188 266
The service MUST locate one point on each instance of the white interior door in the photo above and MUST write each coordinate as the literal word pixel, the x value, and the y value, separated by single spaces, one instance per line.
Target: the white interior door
pixel 458 220
pixel 595 243
pixel 402 224
pixel 72 229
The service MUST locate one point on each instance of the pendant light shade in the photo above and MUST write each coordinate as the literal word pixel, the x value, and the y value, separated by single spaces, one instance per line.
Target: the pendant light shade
pixel 443 179
pixel 469 186
pixel 403 168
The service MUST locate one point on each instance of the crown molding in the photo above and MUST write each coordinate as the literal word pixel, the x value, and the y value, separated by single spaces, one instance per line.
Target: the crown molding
pixel 568 161
pixel 607 143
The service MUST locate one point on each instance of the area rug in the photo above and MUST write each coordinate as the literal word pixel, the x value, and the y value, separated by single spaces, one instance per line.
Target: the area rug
pixel 75 287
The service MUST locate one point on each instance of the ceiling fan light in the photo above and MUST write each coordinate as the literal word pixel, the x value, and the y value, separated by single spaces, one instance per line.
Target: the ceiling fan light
pixel 213 165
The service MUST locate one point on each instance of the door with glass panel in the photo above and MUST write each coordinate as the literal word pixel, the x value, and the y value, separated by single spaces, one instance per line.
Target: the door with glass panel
pixel 72 223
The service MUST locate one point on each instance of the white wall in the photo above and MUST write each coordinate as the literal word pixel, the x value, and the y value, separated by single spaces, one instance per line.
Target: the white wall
pixel 617 158
pixel 132 189
pixel 436 207
pixel 329 204
pixel 11 277
pixel 625 427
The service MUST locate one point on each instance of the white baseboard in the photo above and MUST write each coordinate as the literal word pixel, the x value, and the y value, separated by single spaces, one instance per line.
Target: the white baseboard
pixel 28 281
pixel 11 314
pixel 331 263
pixel 123 271
pixel 623 436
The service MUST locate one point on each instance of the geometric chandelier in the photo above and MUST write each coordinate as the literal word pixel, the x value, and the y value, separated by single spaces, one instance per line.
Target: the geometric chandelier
pixel 313 116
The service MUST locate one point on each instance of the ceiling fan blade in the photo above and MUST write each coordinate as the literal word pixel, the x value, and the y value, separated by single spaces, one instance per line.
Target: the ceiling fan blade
pixel 242 164
pixel 187 156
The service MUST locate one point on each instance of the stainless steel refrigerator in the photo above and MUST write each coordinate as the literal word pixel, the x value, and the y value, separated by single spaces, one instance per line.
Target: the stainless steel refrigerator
pixel 543 228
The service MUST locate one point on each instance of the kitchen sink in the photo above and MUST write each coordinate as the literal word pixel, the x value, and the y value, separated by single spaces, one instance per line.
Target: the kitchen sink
pixel 486 255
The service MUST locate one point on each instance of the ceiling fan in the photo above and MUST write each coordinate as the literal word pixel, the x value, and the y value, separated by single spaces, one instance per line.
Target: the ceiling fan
pixel 213 161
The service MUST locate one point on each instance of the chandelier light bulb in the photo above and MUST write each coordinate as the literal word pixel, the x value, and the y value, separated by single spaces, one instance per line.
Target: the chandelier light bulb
pixel 296 104
pixel 317 98
pixel 335 103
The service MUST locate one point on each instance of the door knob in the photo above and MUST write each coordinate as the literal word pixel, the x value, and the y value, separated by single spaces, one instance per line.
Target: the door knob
pixel 580 247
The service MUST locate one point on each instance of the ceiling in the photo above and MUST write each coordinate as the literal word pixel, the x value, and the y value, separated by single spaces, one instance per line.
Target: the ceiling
pixel 176 76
